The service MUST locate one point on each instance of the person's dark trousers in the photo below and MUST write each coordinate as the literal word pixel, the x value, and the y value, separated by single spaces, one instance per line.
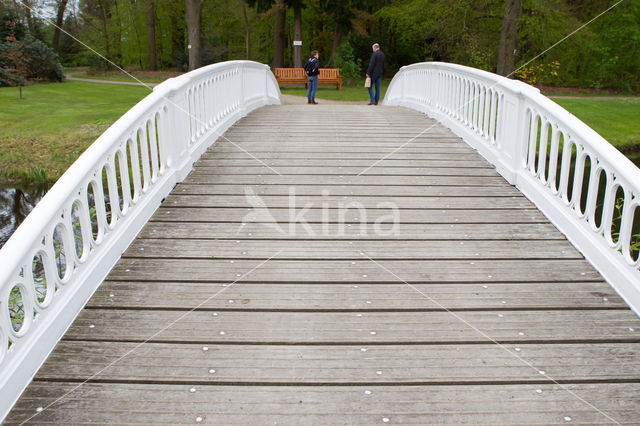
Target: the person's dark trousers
pixel 313 86
pixel 375 81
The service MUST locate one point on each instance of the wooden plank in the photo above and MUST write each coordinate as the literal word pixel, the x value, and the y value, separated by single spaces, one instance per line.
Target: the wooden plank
pixel 379 364
pixel 361 297
pixel 259 169
pixel 311 231
pixel 328 180
pixel 391 250
pixel 406 216
pixel 473 163
pixel 373 132
pixel 349 190
pixel 363 270
pixel 99 403
pixel 353 202
pixel 275 149
pixel 355 124
pixel 457 154
pixel 386 146
pixel 471 327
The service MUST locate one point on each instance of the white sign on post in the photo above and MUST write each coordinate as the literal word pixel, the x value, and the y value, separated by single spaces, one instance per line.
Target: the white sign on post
pixel 297 42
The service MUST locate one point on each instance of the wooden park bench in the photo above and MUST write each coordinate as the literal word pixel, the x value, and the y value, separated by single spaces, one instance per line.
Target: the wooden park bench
pixel 298 75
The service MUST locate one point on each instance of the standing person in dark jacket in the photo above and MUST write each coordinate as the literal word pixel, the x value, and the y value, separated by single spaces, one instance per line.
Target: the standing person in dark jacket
pixel 312 67
pixel 374 71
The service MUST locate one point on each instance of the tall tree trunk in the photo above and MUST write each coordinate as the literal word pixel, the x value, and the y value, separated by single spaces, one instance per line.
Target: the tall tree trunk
pixel 194 11
pixel 105 31
pixel 337 41
pixel 509 38
pixel 278 51
pixel 177 39
pixel 151 29
pixel 119 55
pixel 62 5
pixel 297 50
pixel 247 32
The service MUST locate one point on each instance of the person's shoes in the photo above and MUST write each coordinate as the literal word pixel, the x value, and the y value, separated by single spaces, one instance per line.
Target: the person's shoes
pixel 309 102
pixel 371 103
pixel 314 102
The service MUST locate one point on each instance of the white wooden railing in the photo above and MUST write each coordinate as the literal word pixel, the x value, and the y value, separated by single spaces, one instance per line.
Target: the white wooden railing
pixel 587 188
pixel 68 244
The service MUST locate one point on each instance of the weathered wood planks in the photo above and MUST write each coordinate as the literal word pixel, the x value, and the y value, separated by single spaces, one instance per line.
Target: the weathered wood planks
pixel 103 403
pixel 230 309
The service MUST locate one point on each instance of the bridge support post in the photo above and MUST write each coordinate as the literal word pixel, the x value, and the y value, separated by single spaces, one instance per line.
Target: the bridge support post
pixel 511 132
pixel 176 127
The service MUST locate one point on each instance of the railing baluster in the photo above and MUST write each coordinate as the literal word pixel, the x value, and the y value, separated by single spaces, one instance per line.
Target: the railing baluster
pixel 555 159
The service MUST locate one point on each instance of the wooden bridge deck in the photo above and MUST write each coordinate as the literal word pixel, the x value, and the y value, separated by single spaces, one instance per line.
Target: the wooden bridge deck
pixel 477 310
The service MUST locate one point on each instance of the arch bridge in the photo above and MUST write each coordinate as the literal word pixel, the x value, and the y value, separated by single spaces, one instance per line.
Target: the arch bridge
pixel 466 253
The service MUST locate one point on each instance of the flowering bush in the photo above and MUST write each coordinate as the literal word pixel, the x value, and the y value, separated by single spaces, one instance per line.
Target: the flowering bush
pixel 539 73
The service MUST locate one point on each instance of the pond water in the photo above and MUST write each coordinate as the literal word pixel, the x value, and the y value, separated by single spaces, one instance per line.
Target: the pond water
pixel 15 205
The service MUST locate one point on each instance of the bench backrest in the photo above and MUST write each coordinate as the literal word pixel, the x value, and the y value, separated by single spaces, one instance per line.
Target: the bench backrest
pixel 325 73
pixel 290 73
pixel 329 73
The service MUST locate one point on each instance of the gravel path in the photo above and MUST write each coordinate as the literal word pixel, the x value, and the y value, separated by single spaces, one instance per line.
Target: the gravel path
pixel 126 83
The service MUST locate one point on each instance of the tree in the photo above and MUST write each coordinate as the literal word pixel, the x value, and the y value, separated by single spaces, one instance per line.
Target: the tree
pixel 61 5
pixel 509 38
pixel 97 17
pixel 280 9
pixel 193 15
pixel 297 50
pixel 151 29
pixel 14 63
pixel 278 50
pixel 247 32
pixel 177 35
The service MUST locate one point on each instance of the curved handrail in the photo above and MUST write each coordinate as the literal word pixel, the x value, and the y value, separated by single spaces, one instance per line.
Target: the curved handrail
pixel 585 186
pixel 63 250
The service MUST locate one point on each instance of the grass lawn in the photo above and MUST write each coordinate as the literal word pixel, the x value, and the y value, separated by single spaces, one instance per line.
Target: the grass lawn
pixel 347 93
pixel 55 123
pixel 116 75
pixel 617 120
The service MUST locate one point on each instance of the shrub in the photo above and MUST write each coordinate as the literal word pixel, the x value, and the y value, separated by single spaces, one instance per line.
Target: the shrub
pixel 28 59
pixel 541 73
pixel 350 68
pixel 44 63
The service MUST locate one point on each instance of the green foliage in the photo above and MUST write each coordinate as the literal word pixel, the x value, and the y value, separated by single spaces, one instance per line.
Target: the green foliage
pixel 38 177
pixel 612 56
pixel 465 32
pixel 604 54
pixel 350 68
pixel 14 65
pixel 43 61
pixel 28 59
pixel 10 23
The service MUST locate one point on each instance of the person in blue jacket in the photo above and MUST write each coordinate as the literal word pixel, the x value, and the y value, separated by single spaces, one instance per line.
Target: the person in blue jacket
pixel 375 71
pixel 312 68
